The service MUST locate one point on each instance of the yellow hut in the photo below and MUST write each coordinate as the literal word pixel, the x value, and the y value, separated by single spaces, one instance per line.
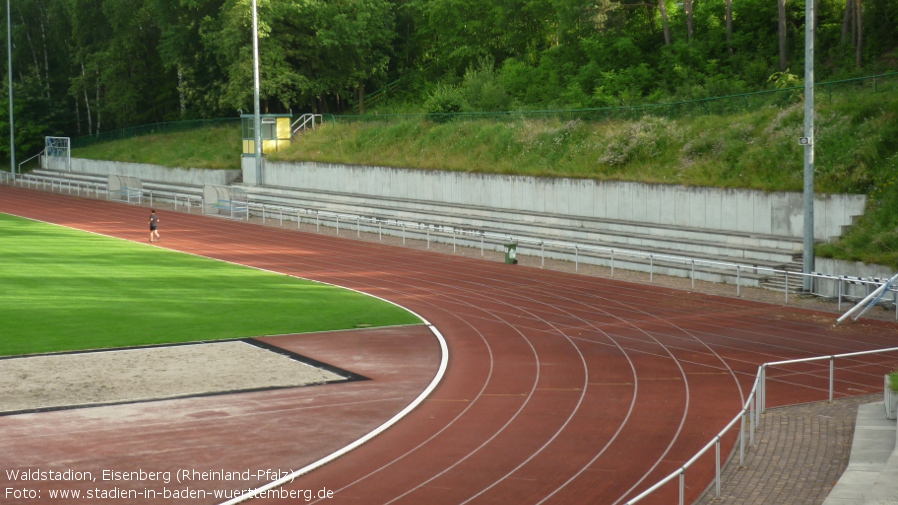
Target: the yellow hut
pixel 275 133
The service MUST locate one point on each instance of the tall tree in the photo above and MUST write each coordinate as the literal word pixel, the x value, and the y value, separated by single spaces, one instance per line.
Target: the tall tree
pixel 665 24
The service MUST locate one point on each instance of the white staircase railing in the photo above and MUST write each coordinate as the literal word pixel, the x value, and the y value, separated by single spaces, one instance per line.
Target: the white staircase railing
pixel 305 122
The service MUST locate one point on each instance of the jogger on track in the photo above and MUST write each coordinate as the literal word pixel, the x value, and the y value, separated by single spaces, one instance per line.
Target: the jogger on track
pixel 154 226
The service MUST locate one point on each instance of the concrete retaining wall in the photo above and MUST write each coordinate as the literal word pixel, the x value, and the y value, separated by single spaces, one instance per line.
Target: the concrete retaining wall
pixel 156 173
pixel 774 213
pixel 850 268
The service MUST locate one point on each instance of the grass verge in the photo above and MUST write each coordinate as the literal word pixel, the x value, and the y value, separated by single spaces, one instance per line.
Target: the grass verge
pixel 216 147
pixel 68 290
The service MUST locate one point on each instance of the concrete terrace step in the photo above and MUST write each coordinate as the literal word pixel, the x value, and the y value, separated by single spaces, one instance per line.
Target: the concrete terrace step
pixel 529 217
pixel 103 179
pixel 725 246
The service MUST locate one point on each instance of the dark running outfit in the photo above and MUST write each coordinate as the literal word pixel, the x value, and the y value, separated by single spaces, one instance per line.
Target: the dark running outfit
pixel 154 222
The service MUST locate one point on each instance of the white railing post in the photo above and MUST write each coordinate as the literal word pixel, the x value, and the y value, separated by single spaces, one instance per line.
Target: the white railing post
pixel 542 253
pixel 840 293
pixel 738 281
pixel 693 274
pixel 832 366
pixel 338 224
pixel 717 465
pixel 763 405
pixel 753 411
pixel 358 226
pixel 651 268
pixel 612 263
pixel 787 287
pixel 742 439
pixel 576 258
pixel 481 244
pixel 682 486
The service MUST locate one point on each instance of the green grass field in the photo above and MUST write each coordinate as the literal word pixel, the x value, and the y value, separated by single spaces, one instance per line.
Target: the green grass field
pixel 64 289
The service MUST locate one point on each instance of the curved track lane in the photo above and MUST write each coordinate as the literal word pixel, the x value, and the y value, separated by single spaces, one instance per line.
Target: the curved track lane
pixel 560 388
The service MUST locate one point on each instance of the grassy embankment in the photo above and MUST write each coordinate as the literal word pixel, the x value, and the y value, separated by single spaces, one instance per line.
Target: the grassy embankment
pixel 216 147
pixel 856 152
pixel 68 290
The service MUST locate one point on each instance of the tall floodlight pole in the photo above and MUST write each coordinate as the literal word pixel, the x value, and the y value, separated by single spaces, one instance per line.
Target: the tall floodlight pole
pixel 808 141
pixel 257 119
pixel 12 124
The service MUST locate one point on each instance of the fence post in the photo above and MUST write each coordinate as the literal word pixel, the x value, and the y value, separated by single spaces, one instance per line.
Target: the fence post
pixel 338 224
pixel 380 235
pixel 542 253
pixel 358 226
pixel 738 280
pixel 481 244
pixel 742 439
pixel 317 221
pixel 682 485
pixel 651 268
pixel 428 236
pixel 787 287
pixel 612 263
pixel 403 233
pixel 832 366
pixel 717 466
pixel 693 274
pixel 453 239
pixel 840 292
pixel 763 406
pixel 576 258
pixel 752 406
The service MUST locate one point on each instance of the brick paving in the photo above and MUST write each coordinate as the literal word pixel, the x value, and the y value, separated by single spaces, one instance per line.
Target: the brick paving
pixel 800 452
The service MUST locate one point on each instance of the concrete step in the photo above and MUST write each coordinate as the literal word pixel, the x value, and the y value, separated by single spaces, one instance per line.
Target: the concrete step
pixel 722 246
pixel 628 228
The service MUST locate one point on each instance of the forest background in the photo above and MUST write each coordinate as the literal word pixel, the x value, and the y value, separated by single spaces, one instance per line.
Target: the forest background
pixel 85 66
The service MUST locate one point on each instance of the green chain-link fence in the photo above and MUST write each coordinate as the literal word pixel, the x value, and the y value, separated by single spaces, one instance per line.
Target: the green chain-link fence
pixel 150 129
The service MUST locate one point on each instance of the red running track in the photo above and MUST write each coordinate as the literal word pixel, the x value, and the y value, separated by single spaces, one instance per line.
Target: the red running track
pixel 561 388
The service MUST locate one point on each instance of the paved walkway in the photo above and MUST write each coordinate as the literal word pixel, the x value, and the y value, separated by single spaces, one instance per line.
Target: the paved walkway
pixel 800 452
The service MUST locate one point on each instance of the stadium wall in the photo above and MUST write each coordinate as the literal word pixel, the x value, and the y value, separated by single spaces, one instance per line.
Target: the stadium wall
pixel 742 210
pixel 156 173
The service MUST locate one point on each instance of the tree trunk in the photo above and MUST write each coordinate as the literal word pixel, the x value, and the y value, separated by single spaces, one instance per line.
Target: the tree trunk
pixel 687 7
pixel 361 98
pixel 784 54
pixel 37 67
pixel 98 100
pixel 848 21
pixel 730 25
pixel 46 59
pixel 859 16
pixel 90 126
pixel 181 92
pixel 665 25
pixel 77 116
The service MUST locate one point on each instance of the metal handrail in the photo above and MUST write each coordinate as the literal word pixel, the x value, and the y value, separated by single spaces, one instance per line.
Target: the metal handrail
pixel 29 159
pixel 576 249
pixel 305 118
pixel 754 406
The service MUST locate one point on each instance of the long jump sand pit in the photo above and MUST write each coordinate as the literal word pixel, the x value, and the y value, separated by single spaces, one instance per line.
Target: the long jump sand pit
pixel 46 382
